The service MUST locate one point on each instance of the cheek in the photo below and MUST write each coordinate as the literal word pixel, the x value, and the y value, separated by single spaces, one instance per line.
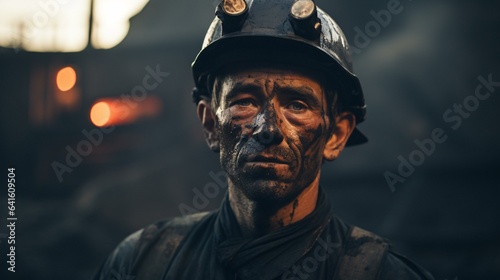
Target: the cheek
pixel 307 122
pixel 309 133
pixel 233 127
pixel 311 150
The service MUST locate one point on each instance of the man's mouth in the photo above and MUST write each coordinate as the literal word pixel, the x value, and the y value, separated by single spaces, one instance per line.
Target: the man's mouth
pixel 265 159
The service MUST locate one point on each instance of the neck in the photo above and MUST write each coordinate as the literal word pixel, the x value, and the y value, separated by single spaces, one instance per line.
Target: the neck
pixel 260 218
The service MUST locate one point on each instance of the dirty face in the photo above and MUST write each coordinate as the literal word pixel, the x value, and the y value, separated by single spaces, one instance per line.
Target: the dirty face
pixel 272 125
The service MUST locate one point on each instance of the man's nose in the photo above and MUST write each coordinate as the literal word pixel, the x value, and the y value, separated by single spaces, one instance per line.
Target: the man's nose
pixel 267 131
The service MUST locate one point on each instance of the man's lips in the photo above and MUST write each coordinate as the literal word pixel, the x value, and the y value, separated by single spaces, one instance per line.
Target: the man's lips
pixel 265 159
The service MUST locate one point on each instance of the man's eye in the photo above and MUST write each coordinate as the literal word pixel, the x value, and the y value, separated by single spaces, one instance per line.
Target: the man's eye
pixel 297 106
pixel 242 102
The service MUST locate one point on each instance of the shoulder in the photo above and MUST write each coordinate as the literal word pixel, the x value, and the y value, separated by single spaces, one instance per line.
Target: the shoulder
pixel 119 262
pixel 129 252
pixel 366 255
pixel 397 266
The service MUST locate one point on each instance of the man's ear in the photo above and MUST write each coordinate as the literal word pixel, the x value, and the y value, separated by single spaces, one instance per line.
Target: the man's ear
pixel 344 126
pixel 207 119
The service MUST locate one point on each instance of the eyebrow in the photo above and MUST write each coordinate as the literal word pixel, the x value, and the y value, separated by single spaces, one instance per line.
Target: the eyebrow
pixel 244 87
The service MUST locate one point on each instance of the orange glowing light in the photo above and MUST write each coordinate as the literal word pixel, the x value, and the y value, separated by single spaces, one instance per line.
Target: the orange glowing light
pixel 118 111
pixel 66 78
pixel 100 113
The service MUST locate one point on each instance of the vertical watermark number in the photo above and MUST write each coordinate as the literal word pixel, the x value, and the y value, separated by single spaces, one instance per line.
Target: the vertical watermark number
pixel 11 218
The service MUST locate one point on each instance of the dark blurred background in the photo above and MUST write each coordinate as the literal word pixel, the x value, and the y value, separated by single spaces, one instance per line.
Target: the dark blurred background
pixel 80 189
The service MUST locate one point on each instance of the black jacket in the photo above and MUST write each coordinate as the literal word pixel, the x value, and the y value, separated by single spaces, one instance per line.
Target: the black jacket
pixel 208 246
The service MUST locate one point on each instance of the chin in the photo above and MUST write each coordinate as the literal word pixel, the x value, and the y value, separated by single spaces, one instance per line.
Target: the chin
pixel 271 191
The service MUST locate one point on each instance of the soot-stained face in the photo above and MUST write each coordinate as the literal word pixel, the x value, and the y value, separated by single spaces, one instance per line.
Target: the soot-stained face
pixel 272 126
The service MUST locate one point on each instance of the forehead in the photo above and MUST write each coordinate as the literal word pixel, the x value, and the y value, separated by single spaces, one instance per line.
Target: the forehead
pixel 275 75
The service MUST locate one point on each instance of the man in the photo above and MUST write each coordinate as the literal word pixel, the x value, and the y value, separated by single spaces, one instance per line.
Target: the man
pixel 276 97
